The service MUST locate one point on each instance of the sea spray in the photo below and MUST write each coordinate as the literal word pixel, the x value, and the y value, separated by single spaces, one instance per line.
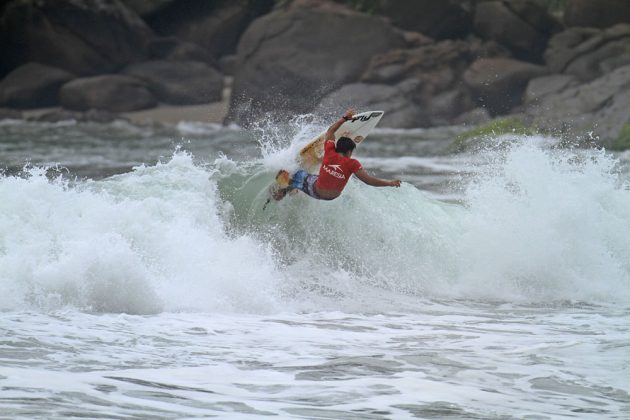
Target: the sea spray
pixel 546 224
pixel 535 224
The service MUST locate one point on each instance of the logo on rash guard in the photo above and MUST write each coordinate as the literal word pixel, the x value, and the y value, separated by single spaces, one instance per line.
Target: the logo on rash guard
pixel 332 170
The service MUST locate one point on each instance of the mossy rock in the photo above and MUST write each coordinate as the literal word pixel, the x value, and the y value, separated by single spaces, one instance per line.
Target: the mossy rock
pixel 493 129
pixel 623 140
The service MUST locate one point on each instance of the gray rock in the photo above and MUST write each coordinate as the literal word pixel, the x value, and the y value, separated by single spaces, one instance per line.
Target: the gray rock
pixel 10 114
pixel 438 70
pixel 521 25
pixel 83 37
pixel 57 115
pixel 499 83
pixel 288 60
pixel 540 87
pixel 92 115
pixel 439 19
pixel 589 53
pixel 563 47
pixel 596 14
pixel 181 82
pixel 147 7
pixel 437 66
pixel 446 106
pixel 401 112
pixel 101 116
pixel 609 56
pixel 475 116
pixel 600 106
pixel 116 93
pixel 214 25
pixel 172 49
pixel 33 85
pixel 227 64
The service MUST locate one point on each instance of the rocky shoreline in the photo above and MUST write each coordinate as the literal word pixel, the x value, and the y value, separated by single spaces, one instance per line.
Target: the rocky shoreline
pixel 564 71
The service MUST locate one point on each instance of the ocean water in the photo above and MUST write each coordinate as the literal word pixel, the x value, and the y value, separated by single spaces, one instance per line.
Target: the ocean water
pixel 141 277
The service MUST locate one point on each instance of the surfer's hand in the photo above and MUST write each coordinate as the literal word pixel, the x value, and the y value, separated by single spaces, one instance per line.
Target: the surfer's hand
pixel 394 183
pixel 349 114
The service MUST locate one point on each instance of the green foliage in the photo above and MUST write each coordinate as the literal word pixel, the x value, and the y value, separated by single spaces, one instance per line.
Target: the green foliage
pixel 494 128
pixel 500 126
pixel 623 140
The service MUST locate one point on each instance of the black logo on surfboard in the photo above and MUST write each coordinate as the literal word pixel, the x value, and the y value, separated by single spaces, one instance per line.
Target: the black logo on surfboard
pixel 364 118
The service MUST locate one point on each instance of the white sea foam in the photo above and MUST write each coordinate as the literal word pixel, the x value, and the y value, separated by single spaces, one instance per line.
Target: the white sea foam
pixel 546 223
pixel 538 225
pixel 145 241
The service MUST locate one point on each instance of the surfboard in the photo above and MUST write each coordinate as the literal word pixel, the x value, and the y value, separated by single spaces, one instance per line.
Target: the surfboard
pixel 310 156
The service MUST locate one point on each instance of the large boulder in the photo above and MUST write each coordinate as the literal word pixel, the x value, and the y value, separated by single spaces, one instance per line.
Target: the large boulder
pixel 439 19
pixel 541 87
pixel 437 64
pixel 438 94
pixel 523 26
pixel 215 25
pixel 596 14
pixel 401 111
pixel 173 49
pixel 599 107
pixel 181 82
pixel 84 37
pixel 498 83
pixel 147 8
pixel 115 93
pixel 589 53
pixel 10 114
pixel 33 85
pixel 291 58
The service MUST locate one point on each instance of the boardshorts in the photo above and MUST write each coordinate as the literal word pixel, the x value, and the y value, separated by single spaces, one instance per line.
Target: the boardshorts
pixel 305 182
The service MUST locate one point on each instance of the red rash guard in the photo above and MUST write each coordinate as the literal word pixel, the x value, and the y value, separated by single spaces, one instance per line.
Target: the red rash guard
pixel 336 169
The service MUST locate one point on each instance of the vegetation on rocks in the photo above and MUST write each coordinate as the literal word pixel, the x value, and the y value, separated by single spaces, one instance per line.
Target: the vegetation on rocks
pixel 495 128
pixel 623 141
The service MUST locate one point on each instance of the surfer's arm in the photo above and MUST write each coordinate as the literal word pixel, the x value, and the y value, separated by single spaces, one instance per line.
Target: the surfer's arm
pixel 330 133
pixel 375 182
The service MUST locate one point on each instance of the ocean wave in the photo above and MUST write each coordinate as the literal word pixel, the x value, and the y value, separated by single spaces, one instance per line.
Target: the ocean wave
pixel 535 225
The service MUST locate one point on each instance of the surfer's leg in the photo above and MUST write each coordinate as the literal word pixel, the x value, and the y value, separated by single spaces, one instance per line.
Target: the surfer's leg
pixel 309 186
pixel 304 181
pixel 297 181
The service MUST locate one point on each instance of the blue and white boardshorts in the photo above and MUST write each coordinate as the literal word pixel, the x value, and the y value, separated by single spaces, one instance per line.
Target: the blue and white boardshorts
pixel 305 182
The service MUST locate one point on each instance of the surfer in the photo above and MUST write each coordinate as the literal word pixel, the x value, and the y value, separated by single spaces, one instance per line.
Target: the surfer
pixel 337 168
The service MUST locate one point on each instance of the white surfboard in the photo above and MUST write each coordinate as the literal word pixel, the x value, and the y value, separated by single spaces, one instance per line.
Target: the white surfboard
pixel 358 128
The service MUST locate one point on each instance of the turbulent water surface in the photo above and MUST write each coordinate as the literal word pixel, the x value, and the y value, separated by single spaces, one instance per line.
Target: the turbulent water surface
pixel 141 277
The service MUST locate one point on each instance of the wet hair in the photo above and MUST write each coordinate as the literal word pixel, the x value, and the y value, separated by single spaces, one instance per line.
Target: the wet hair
pixel 345 144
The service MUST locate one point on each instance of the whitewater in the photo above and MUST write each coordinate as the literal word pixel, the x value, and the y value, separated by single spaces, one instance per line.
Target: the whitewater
pixel 141 277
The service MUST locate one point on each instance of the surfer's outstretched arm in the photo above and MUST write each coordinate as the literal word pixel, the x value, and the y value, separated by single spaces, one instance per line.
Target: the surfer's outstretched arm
pixel 330 133
pixel 376 182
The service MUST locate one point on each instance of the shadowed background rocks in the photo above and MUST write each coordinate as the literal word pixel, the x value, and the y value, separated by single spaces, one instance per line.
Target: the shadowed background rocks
pixel 560 65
